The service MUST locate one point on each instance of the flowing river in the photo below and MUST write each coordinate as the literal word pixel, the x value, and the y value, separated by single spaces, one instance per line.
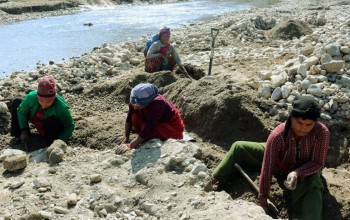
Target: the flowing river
pixel 24 44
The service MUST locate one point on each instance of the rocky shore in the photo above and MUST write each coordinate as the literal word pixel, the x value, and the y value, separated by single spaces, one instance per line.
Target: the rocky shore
pixel 263 60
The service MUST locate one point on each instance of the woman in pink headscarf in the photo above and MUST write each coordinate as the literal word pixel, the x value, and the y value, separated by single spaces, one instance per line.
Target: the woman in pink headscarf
pixel 162 55
pixel 46 110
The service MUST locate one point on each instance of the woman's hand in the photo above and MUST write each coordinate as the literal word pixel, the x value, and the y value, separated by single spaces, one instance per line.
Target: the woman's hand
pixel 121 149
pixel 124 140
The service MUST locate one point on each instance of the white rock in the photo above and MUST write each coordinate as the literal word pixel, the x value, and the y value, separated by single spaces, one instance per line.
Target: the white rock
pixel 322 78
pixel 328 91
pixel 199 168
pixel 325 115
pixel 3 108
pixel 276 94
pixel 285 91
pixel 95 178
pixel 61 210
pixel 305 84
pixel 340 99
pixel 265 74
pixel 278 80
pixel 315 90
pixel 11 152
pixel 326 58
pixel 45 215
pixel 311 61
pixel 333 49
pixel 302 70
pixel 41 182
pixel 333 66
pixel 264 91
pixel 72 199
pixel 16 162
pixel 291 99
pixel 345 49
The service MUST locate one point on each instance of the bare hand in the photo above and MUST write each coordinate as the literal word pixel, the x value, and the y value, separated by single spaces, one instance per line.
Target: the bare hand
pixel 121 149
pixel 124 140
pixel 291 181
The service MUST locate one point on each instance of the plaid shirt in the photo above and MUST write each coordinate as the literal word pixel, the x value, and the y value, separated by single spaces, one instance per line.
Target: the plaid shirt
pixel 306 157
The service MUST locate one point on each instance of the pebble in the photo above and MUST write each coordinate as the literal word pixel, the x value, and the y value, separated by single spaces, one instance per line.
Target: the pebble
pixel 95 178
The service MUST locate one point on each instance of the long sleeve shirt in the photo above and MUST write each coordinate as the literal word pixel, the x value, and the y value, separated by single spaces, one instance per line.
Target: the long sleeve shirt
pixel 30 106
pixel 281 157
pixel 160 110
pixel 154 51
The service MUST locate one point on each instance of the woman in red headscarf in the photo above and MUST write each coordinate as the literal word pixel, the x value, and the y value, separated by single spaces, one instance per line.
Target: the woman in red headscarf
pixel 162 54
pixel 46 110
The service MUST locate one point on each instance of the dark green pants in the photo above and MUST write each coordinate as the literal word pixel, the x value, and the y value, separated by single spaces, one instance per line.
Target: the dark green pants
pixel 306 198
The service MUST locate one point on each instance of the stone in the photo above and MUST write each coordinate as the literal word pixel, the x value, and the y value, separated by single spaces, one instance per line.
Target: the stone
pixel 61 210
pixel 305 84
pixel 11 152
pixel 326 58
pixel 41 182
pixel 311 61
pixel 17 184
pixel 56 151
pixel 199 168
pixel 333 67
pixel 326 116
pixel 15 163
pixel 345 81
pixel 346 58
pixel 34 216
pixel 95 178
pixel 276 94
pixel 328 91
pixel 285 91
pixel 264 91
pixel 265 74
pixel 278 80
pixel 56 155
pixel 302 70
pixel 345 49
pixel 72 199
pixel 308 50
pixel 315 90
pixel 333 49
pixel 3 108
pixel 322 78
pixel 45 215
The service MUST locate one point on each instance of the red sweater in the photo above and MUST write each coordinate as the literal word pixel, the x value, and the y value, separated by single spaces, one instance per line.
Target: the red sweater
pixel 160 110
pixel 282 158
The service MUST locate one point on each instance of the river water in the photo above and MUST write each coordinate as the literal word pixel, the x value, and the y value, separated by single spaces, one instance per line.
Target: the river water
pixel 24 44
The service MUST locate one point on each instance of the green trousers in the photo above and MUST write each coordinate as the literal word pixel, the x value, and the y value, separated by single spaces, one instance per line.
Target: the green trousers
pixel 306 198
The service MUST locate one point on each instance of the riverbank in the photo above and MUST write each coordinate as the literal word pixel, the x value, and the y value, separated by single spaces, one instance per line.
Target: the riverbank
pixel 256 52
pixel 17 10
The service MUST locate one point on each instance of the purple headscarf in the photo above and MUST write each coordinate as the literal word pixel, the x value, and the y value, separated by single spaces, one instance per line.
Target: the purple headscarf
pixel 164 31
pixel 143 94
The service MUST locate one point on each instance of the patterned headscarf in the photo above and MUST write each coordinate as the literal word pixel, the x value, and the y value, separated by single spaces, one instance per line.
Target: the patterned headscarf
pixel 143 94
pixel 164 31
pixel 46 88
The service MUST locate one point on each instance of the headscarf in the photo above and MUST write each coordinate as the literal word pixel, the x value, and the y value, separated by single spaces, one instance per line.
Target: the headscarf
pixel 143 94
pixel 46 88
pixel 305 107
pixel 164 31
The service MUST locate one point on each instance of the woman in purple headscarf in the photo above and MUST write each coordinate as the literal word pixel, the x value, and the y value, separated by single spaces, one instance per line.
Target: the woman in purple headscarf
pixel 162 55
pixel 151 116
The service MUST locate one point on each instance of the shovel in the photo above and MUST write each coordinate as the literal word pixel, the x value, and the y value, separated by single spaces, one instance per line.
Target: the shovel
pixel 214 33
pixel 271 206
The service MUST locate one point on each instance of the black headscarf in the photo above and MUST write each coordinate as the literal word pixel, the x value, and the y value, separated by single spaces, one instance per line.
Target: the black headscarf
pixel 305 107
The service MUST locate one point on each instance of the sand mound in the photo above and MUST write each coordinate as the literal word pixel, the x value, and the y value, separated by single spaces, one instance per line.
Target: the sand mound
pixel 289 29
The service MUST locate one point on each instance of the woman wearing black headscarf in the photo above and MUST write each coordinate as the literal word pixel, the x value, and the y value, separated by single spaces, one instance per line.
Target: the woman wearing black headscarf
pixel 295 151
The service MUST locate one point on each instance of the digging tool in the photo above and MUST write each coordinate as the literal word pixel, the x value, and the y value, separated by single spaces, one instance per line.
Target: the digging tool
pixel 271 206
pixel 214 32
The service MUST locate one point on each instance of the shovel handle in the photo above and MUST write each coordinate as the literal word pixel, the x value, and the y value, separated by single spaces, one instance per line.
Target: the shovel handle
pixel 271 206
